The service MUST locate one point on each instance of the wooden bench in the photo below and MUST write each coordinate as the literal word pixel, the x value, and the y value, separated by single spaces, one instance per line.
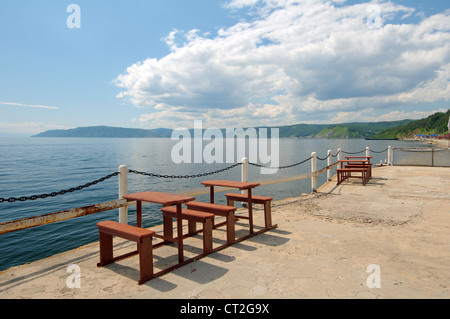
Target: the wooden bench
pixel 220 210
pixel 266 201
pixel 143 237
pixel 365 165
pixel 193 217
pixel 345 173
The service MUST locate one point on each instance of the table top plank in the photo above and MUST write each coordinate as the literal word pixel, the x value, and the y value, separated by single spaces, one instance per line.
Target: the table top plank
pixel 233 184
pixel 359 157
pixel 159 198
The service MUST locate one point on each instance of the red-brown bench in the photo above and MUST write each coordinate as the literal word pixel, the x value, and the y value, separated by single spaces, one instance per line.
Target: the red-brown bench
pixel 193 217
pixel 345 173
pixel 264 200
pixel 143 237
pixel 364 165
pixel 220 210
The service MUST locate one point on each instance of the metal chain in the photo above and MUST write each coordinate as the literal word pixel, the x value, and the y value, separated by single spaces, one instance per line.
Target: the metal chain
pixel 336 154
pixel 184 176
pixel 352 153
pixel 322 159
pixel 281 167
pixel 380 152
pixel 53 194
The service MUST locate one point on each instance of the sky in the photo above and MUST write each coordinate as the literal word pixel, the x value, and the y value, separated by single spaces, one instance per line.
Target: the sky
pixel 230 63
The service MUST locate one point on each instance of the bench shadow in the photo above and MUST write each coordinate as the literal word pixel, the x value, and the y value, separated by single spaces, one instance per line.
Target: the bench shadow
pixel 199 271
pixel 374 181
pixel 133 274
pixel 269 240
pixel 17 281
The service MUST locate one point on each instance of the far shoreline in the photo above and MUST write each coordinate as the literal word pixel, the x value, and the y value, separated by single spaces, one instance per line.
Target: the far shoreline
pixel 437 142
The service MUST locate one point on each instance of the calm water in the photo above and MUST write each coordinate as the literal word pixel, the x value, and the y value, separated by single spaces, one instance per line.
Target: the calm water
pixel 33 166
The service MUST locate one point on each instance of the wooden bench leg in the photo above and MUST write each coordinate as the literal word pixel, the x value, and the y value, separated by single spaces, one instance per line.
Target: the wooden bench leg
pixel 192 227
pixel 231 236
pixel 106 249
pixel 145 259
pixel 168 227
pixel 207 236
pixel 268 214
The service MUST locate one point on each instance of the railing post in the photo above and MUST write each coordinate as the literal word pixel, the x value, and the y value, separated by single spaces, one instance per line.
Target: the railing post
pixel 339 156
pixel 313 170
pixel 123 190
pixel 389 155
pixel 367 151
pixel 244 172
pixel 329 162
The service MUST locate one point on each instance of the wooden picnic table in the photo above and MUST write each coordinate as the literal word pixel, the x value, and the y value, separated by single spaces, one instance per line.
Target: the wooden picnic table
pixel 234 184
pixel 357 161
pixel 164 199
pixel 361 165
pixel 367 158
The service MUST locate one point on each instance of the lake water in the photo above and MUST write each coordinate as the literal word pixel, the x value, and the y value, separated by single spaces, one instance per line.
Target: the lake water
pixel 34 166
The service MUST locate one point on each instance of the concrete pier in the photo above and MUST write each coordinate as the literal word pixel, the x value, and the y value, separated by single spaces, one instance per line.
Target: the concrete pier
pixel 387 239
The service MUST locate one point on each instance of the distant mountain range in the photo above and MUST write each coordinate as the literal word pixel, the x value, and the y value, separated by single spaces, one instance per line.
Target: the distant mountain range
pixel 106 131
pixel 347 130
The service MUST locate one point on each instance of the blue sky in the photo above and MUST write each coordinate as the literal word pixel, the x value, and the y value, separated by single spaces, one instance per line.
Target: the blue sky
pixel 230 63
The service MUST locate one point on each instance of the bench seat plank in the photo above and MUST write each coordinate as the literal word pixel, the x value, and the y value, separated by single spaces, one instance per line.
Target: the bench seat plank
pixel 193 217
pixel 244 198
pixel 188 214
pixel 220 210
pixel 128 232
pixel 108 228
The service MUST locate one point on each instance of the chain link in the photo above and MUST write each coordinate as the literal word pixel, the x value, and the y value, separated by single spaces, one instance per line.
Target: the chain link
pixel 336 154
pixel 353 153
pixel 322 159
pixel 380 152
pixel 281 167
pixel 184 176
pixel 61 192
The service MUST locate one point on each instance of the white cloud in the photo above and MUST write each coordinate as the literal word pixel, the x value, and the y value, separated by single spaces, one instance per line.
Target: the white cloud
pixel 29 105
pixel 294 60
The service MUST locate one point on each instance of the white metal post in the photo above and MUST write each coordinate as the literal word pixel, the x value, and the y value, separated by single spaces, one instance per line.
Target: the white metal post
pixel 313 170
pixel 244 176
pixel 244 172
pixel 367 151
pixel 339 157
pixel 329 162
pixel 123 190
pixel 389 155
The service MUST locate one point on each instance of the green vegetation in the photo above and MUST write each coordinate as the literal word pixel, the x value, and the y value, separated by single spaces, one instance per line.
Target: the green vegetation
pixel 347 130
pixel 433 124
